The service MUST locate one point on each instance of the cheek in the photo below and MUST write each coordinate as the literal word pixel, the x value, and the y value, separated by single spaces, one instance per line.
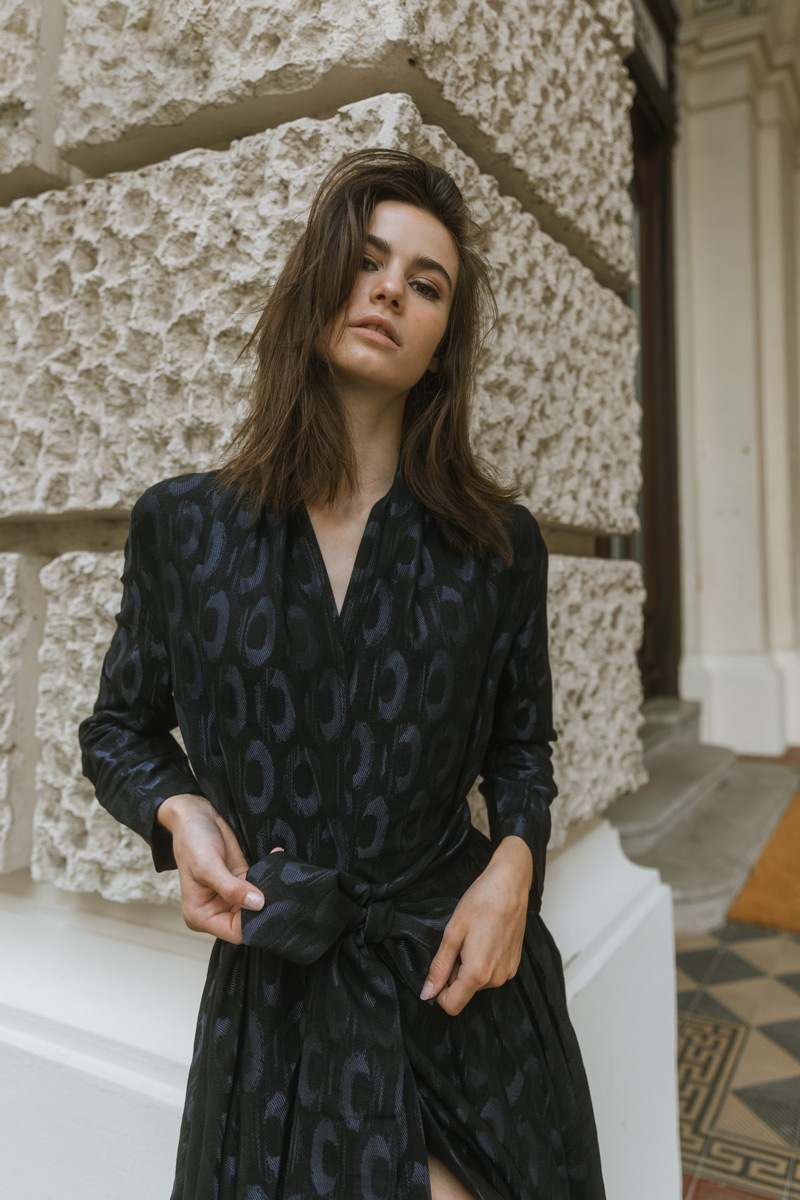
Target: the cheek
pixel 360 295
pixel 429 333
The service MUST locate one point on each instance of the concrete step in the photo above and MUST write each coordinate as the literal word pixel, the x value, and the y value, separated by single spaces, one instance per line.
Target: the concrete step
pixel 681 776
pixel 667 721
pixel 709 855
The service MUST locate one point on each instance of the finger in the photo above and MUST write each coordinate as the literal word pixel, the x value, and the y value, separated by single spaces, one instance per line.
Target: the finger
pixel 227 926
pixel 454 998
pixel 238 893
pixel 441 998
pixel 276 848
pixel 443 962
pixel 236 862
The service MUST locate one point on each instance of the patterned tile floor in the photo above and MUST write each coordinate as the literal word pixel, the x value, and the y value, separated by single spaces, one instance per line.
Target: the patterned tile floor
pixel 739 1063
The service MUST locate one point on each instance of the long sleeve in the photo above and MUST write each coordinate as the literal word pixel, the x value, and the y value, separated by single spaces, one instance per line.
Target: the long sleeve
pixel 128 752
pixel 517 772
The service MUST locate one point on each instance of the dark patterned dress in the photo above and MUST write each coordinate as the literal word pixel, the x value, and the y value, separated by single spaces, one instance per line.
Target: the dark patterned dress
pixel 352 741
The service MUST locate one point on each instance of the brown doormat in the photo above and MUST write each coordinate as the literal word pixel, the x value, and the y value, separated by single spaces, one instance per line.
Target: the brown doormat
pixel 771 895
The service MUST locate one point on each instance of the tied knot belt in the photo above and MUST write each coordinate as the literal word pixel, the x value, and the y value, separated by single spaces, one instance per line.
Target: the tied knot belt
pixel 356 1129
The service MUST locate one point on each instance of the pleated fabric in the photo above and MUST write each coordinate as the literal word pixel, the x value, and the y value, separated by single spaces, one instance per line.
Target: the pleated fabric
pixel 351 741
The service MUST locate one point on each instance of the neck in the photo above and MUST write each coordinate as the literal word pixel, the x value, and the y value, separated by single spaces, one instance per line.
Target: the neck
pixel 376 430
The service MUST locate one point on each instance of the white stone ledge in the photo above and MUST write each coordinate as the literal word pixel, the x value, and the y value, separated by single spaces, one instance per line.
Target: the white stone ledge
pixel 97 1019
pixel 613 924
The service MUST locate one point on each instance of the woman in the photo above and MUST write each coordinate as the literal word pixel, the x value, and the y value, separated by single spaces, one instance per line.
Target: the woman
pixel 348 623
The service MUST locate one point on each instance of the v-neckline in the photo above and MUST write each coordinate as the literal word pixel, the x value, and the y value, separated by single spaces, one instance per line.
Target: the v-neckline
pixel 340 614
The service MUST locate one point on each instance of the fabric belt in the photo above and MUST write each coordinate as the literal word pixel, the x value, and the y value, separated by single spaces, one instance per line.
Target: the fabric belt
pixel 352 1134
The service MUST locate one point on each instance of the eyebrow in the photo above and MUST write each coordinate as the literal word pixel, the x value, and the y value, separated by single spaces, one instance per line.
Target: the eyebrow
pixel 420 262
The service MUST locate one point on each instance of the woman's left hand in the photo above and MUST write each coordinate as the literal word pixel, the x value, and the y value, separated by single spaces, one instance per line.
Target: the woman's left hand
pixel 482 942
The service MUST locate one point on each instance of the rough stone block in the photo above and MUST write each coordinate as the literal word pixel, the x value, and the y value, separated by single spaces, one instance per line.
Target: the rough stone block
pixel 125 301
pixel 30 40
pixel 535 91
pixel 594 609
pixel 77 844
pixel 617 17
pixel 19 91
pixel 595 620
pixel 20 626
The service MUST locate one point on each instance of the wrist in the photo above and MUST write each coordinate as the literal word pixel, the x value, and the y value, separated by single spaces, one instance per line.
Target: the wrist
pixel 515 853
pixel 174 808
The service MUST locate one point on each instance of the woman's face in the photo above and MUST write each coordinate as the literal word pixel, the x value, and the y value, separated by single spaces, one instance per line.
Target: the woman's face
pixel 398 310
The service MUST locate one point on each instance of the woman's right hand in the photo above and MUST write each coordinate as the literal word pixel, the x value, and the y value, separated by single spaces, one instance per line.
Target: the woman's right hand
pixel 211 868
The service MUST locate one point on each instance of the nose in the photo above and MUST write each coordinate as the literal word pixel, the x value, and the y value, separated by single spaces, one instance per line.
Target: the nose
pixel 388 286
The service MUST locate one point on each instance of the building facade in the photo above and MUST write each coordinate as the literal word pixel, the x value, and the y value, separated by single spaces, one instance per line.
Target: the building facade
pixel 637 168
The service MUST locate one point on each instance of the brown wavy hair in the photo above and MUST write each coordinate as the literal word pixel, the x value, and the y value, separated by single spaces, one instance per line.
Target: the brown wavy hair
pixel 293 447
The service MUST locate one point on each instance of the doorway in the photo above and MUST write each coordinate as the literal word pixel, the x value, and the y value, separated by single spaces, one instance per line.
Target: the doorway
pixel 656 545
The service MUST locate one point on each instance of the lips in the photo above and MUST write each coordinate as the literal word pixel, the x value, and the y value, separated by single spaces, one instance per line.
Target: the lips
pixel 378 328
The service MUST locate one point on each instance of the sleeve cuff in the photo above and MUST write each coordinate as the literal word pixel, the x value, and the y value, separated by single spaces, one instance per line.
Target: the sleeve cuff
pixel 161 845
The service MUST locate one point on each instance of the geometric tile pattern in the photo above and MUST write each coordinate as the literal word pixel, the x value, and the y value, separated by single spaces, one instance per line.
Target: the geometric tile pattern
pixel 739 1062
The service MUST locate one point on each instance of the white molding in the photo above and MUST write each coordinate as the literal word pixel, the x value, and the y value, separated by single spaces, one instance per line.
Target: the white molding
pixel 788 663
pixel 742 698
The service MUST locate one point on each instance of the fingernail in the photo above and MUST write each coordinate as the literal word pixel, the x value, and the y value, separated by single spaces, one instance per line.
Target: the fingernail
pixel 253 900
pixel 427 990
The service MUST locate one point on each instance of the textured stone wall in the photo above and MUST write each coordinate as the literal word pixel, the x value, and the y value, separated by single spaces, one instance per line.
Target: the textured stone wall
pixel 594 610
pixel 77 844
pixel 534 87
pixel 19 92
pixel 617 17
pixel 21 613
pixel 595 619
pixel 12 632
pixel 125 303
pixel 124 300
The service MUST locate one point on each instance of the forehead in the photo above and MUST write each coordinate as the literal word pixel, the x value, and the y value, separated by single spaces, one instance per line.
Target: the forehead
pixel 413 233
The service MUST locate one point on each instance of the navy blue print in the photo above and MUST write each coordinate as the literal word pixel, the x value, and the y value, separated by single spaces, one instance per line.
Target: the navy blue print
pixel 351 740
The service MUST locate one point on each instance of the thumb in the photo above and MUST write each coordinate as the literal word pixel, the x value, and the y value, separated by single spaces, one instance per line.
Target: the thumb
pixel 443 962
pixel 253 898
pixel 236 891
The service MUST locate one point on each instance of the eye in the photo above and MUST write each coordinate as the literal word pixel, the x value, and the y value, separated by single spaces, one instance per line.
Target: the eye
pixel 368 263
pixel 426 289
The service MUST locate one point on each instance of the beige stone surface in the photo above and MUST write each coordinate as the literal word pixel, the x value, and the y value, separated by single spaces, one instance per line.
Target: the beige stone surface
pixel 595 628
pixel 76 843
pixel 617 17
pixel 10 645
pixel 19 90
pixel 20 628
pixel 125 301
pixel 30 43
pixel 536 91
